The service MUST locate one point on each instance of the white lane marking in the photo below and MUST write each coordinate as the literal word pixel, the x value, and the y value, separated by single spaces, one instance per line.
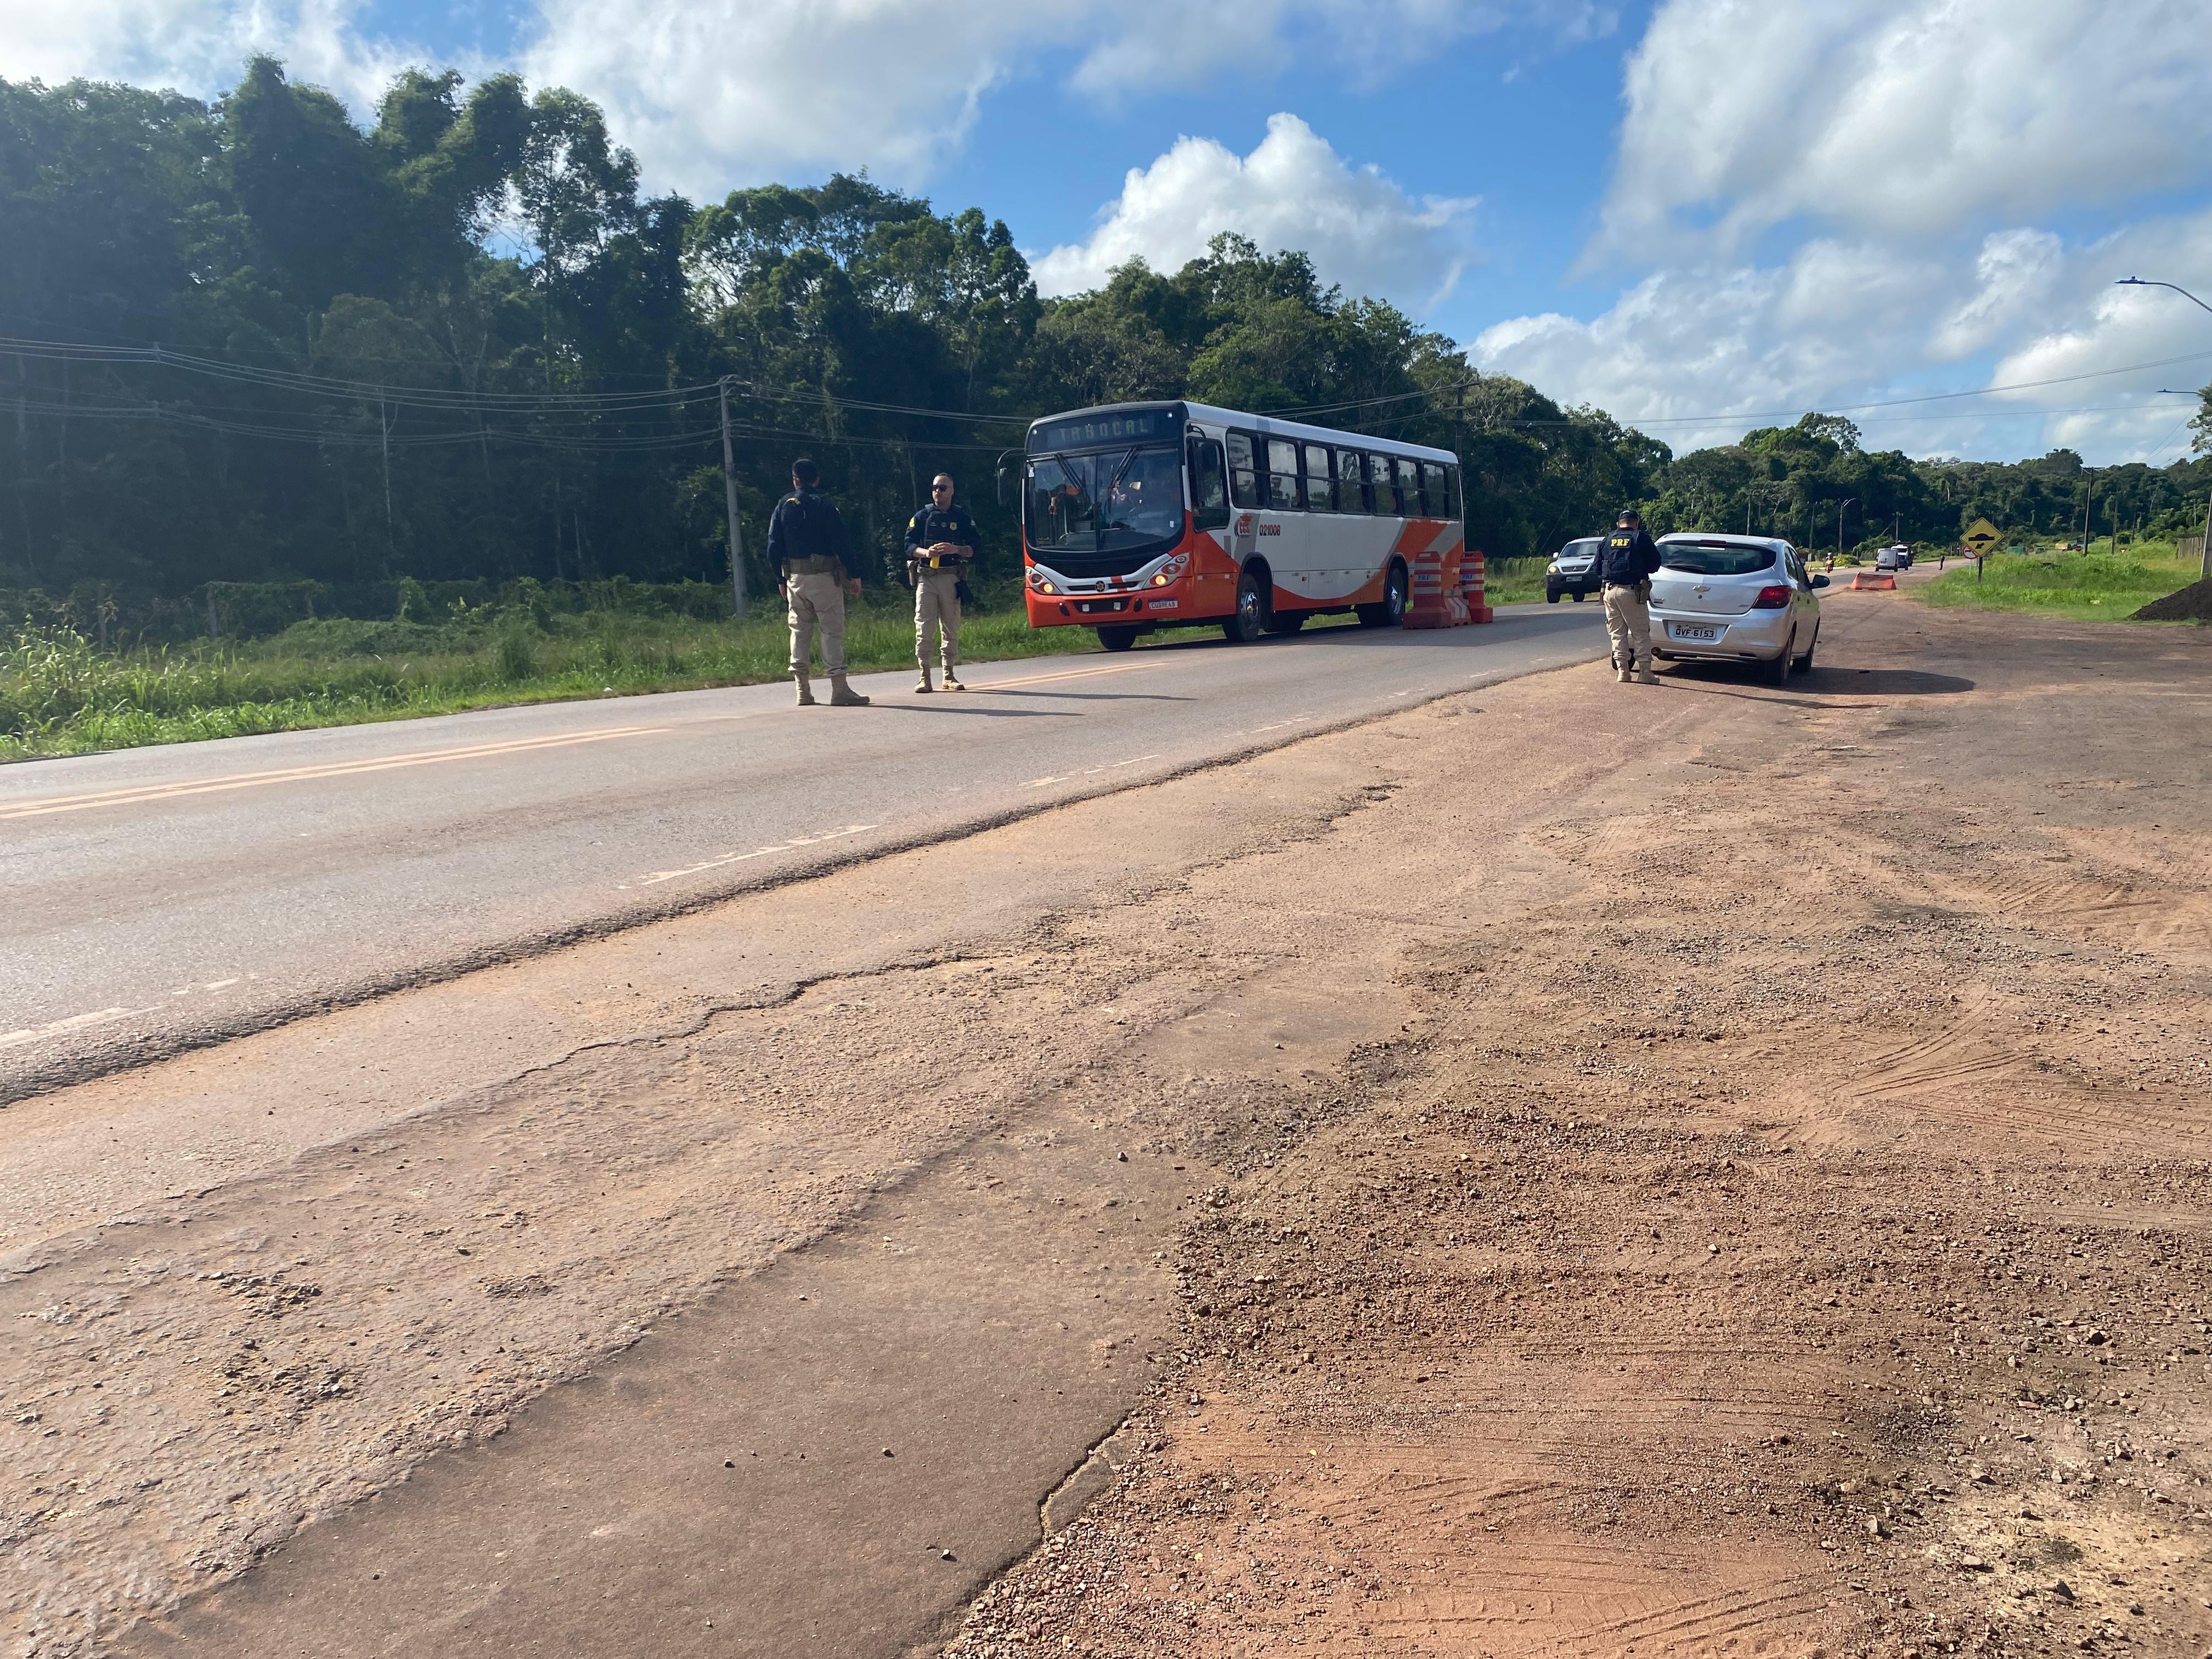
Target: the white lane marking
pixel 1279 725
pixel 1089 771
pixel 217 985
pixel 75 1022
pixel 135 793
pixel 795 842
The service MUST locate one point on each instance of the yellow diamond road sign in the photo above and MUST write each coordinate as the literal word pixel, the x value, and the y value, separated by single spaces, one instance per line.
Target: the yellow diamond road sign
pixel 1980 537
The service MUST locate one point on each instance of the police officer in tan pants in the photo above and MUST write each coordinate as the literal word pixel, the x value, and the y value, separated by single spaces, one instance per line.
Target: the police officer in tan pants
pixel 1625 560
pixel 940 547
pixel 813 561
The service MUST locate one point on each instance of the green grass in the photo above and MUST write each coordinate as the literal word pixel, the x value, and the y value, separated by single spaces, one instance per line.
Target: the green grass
pixel 2097 586
pixel 60 695
pixel 1514 581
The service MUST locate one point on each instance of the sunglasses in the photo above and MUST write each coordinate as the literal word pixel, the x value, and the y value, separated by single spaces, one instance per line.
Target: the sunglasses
pixel 941 489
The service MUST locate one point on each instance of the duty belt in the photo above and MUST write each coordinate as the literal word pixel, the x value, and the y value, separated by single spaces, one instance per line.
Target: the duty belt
pixel 813 566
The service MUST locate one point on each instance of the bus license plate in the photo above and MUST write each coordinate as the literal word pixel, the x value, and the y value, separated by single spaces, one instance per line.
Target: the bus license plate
pixel 1685 631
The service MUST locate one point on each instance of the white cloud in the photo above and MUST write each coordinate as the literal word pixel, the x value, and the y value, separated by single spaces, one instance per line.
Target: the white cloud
pixel 1722 346
pixel 199 46
pixel 714 92
pixel 1291 192
pixel 1906 118
pixel 1868 200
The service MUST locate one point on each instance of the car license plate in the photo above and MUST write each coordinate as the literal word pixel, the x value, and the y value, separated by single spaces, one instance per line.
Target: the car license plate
pixel 1686 631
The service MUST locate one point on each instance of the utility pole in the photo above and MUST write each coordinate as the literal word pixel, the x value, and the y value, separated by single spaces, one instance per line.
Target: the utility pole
pixel 729 500
pixel 1840 506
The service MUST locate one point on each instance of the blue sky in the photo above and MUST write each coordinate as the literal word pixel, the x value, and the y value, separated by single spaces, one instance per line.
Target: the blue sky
pixel 1694 213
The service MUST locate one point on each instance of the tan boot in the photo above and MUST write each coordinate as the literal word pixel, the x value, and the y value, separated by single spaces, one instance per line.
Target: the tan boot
pixel 923 685
pixel 1620 671
pixel 805 691
pixel 1643 674
pixel 950 683
pixel 842 696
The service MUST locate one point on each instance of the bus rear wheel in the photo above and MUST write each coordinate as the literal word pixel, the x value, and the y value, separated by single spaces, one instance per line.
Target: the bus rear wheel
pixel 1117 639
pixel 1391 613
pixel 1250 619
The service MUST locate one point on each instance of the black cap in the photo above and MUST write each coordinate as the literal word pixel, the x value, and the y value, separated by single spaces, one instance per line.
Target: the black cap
pixel 1628 512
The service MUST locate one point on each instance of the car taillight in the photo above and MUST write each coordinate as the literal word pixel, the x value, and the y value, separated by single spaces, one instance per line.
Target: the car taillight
pixel 1772 598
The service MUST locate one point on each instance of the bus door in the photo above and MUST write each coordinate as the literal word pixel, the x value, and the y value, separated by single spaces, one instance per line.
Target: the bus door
pixel 1287 542
pixel 1247 495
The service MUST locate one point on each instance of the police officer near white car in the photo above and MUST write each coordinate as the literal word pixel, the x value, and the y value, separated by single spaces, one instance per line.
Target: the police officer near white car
pixel 808 551
pixel 940 547
pixel 1627 560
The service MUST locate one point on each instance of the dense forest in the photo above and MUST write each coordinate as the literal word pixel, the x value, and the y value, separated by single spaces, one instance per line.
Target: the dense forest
pixel 248 342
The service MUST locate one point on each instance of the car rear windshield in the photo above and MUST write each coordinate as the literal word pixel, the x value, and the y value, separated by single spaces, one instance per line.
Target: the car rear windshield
pixel 1715 558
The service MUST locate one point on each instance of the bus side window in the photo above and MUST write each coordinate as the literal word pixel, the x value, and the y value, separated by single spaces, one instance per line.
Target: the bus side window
pixel 1386 496
pixel 1244 470
pixel 1320 498
pixel 1458 501
pixel 1409 488
pixel 1434 490
pixel 1282 476
pixel 1209 495
pixel 1351 487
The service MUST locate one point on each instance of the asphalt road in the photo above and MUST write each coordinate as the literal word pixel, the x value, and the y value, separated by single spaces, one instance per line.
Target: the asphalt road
pixel 155 899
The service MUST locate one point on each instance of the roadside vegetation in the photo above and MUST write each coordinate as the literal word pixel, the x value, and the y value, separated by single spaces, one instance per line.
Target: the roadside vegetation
pixel 60 694
pixel 2099 585
pixel 1514 581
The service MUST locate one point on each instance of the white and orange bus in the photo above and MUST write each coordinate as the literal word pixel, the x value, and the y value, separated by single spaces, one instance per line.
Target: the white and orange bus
pixel 1142 516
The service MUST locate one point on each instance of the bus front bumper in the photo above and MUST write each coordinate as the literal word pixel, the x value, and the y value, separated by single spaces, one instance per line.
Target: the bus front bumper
pixel 1134 607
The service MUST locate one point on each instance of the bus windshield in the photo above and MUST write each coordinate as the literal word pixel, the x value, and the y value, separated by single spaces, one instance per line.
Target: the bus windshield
pixel 1110 501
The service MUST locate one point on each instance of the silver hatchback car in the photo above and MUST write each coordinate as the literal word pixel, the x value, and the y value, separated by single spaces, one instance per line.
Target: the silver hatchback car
pixel 1735 599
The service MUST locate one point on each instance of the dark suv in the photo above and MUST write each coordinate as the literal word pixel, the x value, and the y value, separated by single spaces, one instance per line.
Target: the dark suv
pixel 1573 570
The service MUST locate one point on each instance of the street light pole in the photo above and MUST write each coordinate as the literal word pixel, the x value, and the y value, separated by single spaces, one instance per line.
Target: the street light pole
pixel 1840 506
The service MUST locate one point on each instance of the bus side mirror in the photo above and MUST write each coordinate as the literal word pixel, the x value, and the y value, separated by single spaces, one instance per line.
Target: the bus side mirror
pixel 1009 472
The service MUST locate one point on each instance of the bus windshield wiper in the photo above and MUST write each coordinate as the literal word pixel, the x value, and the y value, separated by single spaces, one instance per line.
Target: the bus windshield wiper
pixel 1106 497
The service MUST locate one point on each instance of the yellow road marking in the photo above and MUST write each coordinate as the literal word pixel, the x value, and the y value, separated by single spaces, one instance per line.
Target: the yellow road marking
pixel 1064 674
pixel 134 795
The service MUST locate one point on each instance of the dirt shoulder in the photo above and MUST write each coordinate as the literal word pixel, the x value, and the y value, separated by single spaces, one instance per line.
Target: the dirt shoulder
pixel 1550 1169
pixel 1783 1229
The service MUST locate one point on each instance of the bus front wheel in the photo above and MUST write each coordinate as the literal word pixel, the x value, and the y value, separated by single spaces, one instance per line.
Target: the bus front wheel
pixel 1250 619
pixel 1117 639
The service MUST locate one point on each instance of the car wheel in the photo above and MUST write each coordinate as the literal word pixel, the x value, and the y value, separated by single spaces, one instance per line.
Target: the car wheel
pixel 1805 662
pixel 1250 620
pixel 1778 672
pixel 1117 639
pixel 1391 613
pixel 1551 596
